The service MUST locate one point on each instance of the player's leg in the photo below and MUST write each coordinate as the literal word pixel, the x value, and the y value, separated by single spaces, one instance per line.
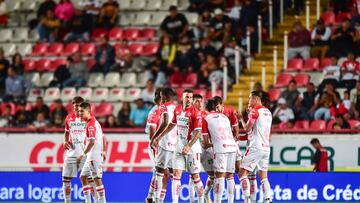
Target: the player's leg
pixel 191 189
pixel 151 188
pixel 253 186
pixel 160 160
pixel 220 174
pixel 209 185
pixel 94 194
pixel 100 189
pixel 165 181
pixel 194 165
pixel 67 189
pixel 248 164
pixel 207 162
pixel 178 168
pixel 85 173
pixel 230 169
pixel 69 171
pixel 263 168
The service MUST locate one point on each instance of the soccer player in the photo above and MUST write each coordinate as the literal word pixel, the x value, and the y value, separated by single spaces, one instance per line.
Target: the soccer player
pixel 165 144
pixel 188 121
pixel 257 154
pixel 74 144
pixel 320 159
pixel 93 152
pixel 216 126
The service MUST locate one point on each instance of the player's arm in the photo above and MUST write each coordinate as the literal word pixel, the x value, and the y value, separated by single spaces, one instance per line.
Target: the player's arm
pixel 152 131
pixel 187 147
pixel 67 144
pixel 104 148
pixel 206 141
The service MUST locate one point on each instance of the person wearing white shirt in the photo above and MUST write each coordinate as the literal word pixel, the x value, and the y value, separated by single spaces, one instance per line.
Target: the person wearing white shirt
pixel 283 113
pixel 235 10
pixel 331 74
pixel 148 94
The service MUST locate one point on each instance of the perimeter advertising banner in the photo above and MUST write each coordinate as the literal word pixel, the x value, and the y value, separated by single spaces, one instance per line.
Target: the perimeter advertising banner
pixel 128 152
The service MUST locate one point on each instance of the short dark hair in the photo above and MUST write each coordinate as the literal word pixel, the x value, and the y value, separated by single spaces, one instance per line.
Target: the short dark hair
pixel 168 93
pixel 197 96
pixel 77 100
pixel 151 80
pixel 257 94
pixel 218 100
pixel 293 81
pixel 188 91
pixel 172 8
pixel 86 105
pixel 314 141
pixel 211 105
pixel 157 97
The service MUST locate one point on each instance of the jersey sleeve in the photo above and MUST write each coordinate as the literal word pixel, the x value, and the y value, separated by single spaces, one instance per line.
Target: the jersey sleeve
pixel 162 109
pixel 253 115
pixel 197 118
pixel 67 127
pixel 174 121
pixel 151 119
pixel 91 130
pixel 204 128
pixel 233 119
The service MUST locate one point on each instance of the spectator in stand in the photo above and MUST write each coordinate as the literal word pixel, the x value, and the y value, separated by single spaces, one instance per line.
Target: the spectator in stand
pixel 92 10
pixel 248 15
pixel 254 39
pixel 320 40
pixel 230 52
pixel 346 100
pixel 220 27
pixel 299 41
pixel 235 11
pixel 124 115
pixel 357 36
pixel 125 62
pixel 16 87
pixel 40 107
pixel 79 28
pixel 64 10
pixel 156 71
pixel 184 59
pixel 44 7
pixel 58 114
pixel 291 94
pixel 197 6
pixel 104 56
pixel 282 114
pixel 175 25
pixel 40 122
pixel 111 122
pixel 340 123
pixel 62 73
pixel 7 119
pixel 167 50
pixel 138 115
pixel 355 100
pixel 204 49
pixel 350 70
pixel 202 26
pixel 304 106
pixel 342 40
pixel 4 13
pixel 109 14
pixel 210 65
pixel 331 74
pixel 320 158
pixel 148 94
pixel 214 4
pixel 17 63
pixel 78 72
pixel 4 66
pixel 48 27
pixel 324 101
pixel 22 117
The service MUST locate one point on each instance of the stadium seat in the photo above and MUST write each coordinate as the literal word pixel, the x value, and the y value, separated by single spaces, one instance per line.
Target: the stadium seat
pixel 24 49
pixel 274 94
pixel 6 35
pixel 34 78
pixel 342 16
pixel 55 49
pixel 30 5
pixel 358 59
pixel 302 79
pixel 20 35
pixel 128 79
pixel 103 109
pixel 318 125
pixel 51 94
pixel 34 93
pixel 71 48
pixel 39 49
pixel 116 94
pixel 88 49
pixel 153 5
pixel 116 34
pixel 325 62
pixel 174 81
pixel 311 64
pixel 90 63
pixel 355 124
pixel 100 94
pixel 132 94
pixel 33 36
pixel 42 64
pixel 328 17
pixel 98 32
pixel 141 80
pixel 13 5
pixel 192 18
pixel 69 107
pixel 9 49
pixel 136 49
pixel 85 92
pixel 121 49
pixel 166 4
pixel 67 94
pixel 126 19
pixel 12 107
pixel 150 49
pixel 116 108
pixel 190 80
pixel 209 95
pixel 56 63
pixel 295 64
pixel 137 5
pixel 45 79
pixel 142 19
pixel 283 79
pixel 147 34
pixel 179 92
pixel 112 80
pixel 95 80
pixel 301 124
pixel 29 65
pixel 125 4
pixel 330 124
pixel 316 77
pixel 202 92
pixel 341 61
pixel 157 18
pixel 131 34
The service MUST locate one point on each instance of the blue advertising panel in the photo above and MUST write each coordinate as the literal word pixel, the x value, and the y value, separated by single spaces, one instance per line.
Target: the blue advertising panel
pixel 133 187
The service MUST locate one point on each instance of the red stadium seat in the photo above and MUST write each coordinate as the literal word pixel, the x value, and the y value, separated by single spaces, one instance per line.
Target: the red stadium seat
pixel 328 17
pixel 131 34
pixel 88 49
pixel 274 94
pixel 354 124
pixel 90 63
pixel 69 107
pixel 42 65
pixel 136 49
pixel 283 79
pixel 179 92
pixel 98 32
pixel 147 34
pixel 311 64
pixel 116 34
pixel 190 80
pixel 318 125
pixel 132 94
pixel 39 49
pixel 29 65
pixel 325 62
pixel 330 124
pixel 342 16
pixel 121 49
pixel 209 95
pixel 55 49
pixel 56 63
pixel 71 48
pixel 304 124
pixel 103 109
pixel 302 79
pixel 202 92
pixel 175 80
pixel 150 49
pixel 11 105
pixel 295 64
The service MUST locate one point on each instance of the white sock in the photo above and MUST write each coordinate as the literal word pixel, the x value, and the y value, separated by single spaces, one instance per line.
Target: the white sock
pixel 101 191
pixel 162 196
pixel 253 186
pixel 151 188
pixel 67 191
pixel 266 189
pixel 94 194
pixel 209 185
pixel 87 193
pixel 175 189
pixel 230 189
pixel 199 188
pixel 219 189
pixel 245 186
pixel 191 189
pixel 158 185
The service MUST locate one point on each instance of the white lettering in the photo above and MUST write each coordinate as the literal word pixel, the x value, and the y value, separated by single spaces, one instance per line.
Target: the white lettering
pixel 357 194
pixel 286 194
pixel 302 193
pixel 326 194
pixel 312 194
pixel 11 193
pixel 36 193
pixel 277 192
pixel 347 194
pixel 338 193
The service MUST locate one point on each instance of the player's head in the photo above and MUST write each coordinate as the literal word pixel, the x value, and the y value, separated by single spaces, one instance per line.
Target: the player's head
pixel 211 105
pixel 255 99
pixel 85 110
pixel 315 143
pixel 187 98
pixel 167 94
pixel 157 98
pixel 219 103
pixel 198 101
pixel 76 101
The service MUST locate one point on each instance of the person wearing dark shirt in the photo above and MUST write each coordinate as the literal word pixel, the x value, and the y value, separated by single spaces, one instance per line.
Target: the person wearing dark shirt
pixel 340 123
pixel 202 25
pixel 104 56
pixel 124 115
pixel 44 7
pixel 109 14
pixel 342 40
pixel 305 102
pixel 80 27
pixel 320 40
pixel 40 107
pixel 220 27
pixel 175 25
pixel 320 159
pixel 324 101
pixel 111 122
pixel 58 114
pixel 248 15
pixel 4 65
pixel 17 63
pixel 61 74
pixel 290 94
pixel 22 116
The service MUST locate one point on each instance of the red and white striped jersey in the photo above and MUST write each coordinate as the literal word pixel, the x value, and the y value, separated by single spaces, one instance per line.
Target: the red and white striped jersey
pixel 259 137
pixel 168 142
pixel 94 131
pixel 75 126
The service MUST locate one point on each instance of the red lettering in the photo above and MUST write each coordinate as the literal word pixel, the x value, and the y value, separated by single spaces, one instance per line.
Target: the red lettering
pixel 116 155
pixel 142 154
pixel 34 155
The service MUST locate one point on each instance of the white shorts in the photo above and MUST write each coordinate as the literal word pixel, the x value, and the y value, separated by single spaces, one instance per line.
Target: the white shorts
pixel 239 155
pixel 255 158
pixel 151 153
pixel 225 162
pixel 93 169
pixel 71 168
pixel 190 163
pixel 207 159
pixel 163 158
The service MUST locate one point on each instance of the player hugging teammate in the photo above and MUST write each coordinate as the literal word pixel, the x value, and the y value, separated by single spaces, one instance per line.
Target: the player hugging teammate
pixel 85 147
pixel 187 136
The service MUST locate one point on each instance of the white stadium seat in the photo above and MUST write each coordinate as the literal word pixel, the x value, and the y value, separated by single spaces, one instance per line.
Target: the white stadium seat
pixel 6 35
pixel 341 60
pixel 142 19
pixel 33 36
pixel 68 93
pixel 20 34
pixel 112 80
pixel 132 94
pixel 96 79
pixel 51 94
pixel 192 18
pixel 34 93
pixel 116 108
pixel 30 5
pixel 24 49
pixel 128 79
pixel 45 79
pixel 13 5
pixel 153 5
pixel 85 92
pixel 167 3
pixel 157 18
pixel 9 49
pixel 316 78
pixel 127 18
pixel 125 4
pixel 100 94
pixel 141 80
pixel 116 94
pixel 34 78
pixel 137 5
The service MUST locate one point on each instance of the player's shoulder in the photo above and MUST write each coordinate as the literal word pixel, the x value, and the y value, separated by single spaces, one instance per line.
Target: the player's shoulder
pixel 70 116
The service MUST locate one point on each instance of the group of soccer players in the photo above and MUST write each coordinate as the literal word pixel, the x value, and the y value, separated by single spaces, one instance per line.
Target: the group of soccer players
pixel 85 147
pixel 186 136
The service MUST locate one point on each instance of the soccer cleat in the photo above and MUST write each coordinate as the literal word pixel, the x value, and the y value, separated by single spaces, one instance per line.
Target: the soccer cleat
pixel 208 199
pixel 148 200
